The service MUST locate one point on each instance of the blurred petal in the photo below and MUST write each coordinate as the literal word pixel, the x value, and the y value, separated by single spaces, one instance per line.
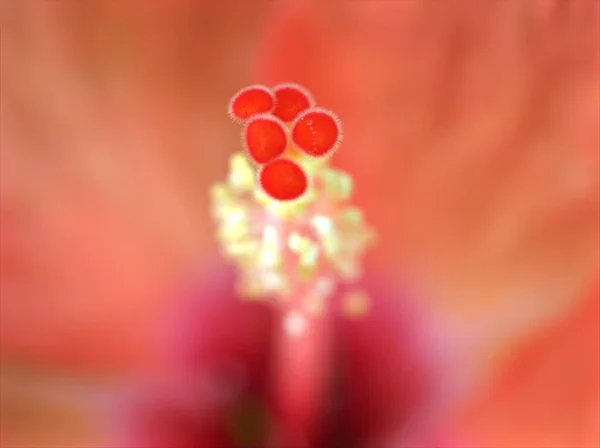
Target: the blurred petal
pixel 473 132
pixel 113 127
pixel 549 393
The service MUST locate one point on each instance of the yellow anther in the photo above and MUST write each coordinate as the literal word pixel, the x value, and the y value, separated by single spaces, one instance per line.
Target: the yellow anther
pixel 260 196
pixel 241 175
pixel 243 248
pixel 332 244
pixel 270 255
pixel 219 192
pixel 337 184
pixel 233 233
pixel 298 243
pixel 308 262
pixel 309 256
pixel 235 214
pixel 351 218
pixel 322 224
pixel 355 243
pixel 234 225
pixel 273 281
pixel 287 210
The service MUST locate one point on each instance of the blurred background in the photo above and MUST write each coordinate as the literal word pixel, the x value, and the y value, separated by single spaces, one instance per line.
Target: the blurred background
pixel 472 129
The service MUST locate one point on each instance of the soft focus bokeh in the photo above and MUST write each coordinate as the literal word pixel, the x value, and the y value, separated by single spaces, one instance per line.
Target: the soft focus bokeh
pixel 472 129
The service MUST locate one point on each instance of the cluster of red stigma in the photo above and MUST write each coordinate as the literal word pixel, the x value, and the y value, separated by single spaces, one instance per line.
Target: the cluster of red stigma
pixel 282 124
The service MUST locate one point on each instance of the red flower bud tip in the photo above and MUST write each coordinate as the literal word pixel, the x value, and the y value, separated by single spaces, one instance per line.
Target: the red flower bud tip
pixel 317 132
pixel 265 138
pixel 250 101
pixel 283 179
pixel 290 100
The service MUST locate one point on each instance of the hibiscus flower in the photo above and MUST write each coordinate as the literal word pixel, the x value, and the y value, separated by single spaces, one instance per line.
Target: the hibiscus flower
pixel 471 129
